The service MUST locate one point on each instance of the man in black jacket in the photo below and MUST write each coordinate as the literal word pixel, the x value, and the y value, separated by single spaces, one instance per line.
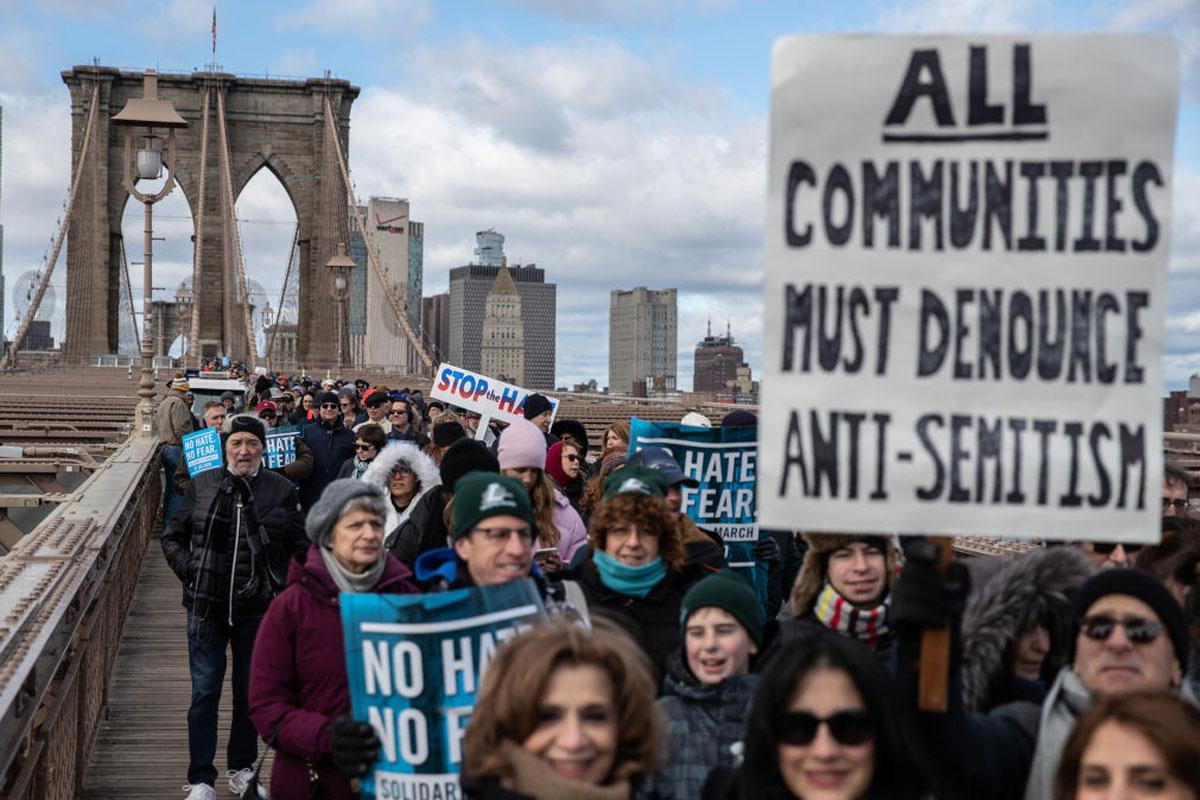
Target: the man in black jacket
pixel 229 544
pixel 331 443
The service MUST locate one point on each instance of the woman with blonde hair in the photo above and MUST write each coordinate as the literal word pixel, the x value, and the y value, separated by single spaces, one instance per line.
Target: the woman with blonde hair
pixel 564 713
pixel 522 455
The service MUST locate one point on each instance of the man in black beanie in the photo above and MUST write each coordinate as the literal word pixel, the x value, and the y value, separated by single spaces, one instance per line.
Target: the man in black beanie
pixel 425 529
pixel 538 410
pixel 1129 635
pixel 331 443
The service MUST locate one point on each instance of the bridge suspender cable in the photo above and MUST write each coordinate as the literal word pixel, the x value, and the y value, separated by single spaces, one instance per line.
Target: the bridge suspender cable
pixel 198 247
pixel 398 308
pixel 11 356
pixel 287 276
pixel 234 238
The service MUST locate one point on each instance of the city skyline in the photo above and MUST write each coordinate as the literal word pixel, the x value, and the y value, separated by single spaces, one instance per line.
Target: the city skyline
pixel 606 140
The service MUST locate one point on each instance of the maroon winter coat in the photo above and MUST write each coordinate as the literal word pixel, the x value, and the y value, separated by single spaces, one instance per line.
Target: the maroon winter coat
pixel 298 674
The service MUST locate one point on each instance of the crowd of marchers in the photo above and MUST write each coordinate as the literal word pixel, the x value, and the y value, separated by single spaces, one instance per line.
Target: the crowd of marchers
pixel 662 673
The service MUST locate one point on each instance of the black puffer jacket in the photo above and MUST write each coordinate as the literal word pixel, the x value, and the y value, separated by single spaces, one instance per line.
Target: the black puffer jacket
pixel 652 621
pixel 275 505
pixel 331 446
pixel 424 530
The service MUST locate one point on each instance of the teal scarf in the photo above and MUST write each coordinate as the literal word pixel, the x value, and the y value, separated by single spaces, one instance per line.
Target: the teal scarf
pixel 626 580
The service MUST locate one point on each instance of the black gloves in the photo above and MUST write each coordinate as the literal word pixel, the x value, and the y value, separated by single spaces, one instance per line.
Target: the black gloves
pixel 924 597
pixel 766 550
pixel 354 745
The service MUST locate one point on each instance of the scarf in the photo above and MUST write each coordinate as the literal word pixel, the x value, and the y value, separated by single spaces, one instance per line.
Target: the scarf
pixel 626 580
pixel 231 519
pixel 531 776
pixel 1068 698
pixel 352 582
pixel 360 467
pixel 840 615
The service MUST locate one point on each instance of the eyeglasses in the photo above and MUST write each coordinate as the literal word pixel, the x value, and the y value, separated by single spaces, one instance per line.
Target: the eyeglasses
pixel 1105 548
pixel 398 412
pixel 501 535
pixel 1137 629
pixel 329 405
pixel 571 457
pixel 267 415
pixel 1178 503
pixel 358 446
pixel 850 727
pixel 400 472
pixel 345 405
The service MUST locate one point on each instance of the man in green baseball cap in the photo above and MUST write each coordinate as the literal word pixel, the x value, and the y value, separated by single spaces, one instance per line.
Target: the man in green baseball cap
pixel 493 528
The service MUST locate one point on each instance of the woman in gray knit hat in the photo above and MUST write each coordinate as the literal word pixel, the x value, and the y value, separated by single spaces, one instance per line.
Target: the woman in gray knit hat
pixel 299 691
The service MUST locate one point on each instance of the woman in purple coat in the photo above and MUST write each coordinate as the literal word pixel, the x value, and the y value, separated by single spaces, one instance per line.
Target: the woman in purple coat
pixel 299 691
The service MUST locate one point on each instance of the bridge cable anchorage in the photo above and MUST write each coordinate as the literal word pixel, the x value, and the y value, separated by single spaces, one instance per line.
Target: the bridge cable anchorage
pixel 234 234
pixel 397 308
pixel 11 356
pixel 198 222
pixel 282 293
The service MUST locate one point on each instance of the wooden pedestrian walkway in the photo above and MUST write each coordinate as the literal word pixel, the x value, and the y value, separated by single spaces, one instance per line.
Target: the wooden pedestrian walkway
pixel 141 749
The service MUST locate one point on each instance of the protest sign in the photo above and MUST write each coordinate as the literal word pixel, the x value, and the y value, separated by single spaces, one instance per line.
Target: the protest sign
pixel 723 462
pixel 415 663
pixel 966 283
pixel 281 446
pixel 202 451
pixel 488 397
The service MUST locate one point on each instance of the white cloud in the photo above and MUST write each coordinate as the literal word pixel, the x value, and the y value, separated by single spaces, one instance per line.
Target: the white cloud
pixel 601 167
pixel 364 18
pixel 620 12
pixel 938 16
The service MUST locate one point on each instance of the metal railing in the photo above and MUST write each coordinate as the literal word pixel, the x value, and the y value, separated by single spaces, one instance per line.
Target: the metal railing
pixel 65 590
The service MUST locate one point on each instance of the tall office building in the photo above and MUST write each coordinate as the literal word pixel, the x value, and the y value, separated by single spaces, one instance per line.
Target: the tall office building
pixel 377 338
pixel 469 288
pixel 502 346
pixel 720 364
pixel 435 326
pixel 642 334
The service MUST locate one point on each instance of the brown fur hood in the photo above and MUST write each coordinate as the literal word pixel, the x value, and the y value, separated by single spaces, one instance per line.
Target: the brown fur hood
pixel 812 573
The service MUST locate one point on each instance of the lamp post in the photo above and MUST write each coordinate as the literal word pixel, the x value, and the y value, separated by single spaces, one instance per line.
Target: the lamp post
pixel 266 313
pixel 149 113
pixel 341 264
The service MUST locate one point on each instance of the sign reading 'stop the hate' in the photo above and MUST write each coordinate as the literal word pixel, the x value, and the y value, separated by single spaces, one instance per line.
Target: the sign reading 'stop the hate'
pixel 966 284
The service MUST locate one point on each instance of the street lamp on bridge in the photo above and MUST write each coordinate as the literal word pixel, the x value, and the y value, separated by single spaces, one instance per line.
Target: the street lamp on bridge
pixel 152 114
pixel 341 264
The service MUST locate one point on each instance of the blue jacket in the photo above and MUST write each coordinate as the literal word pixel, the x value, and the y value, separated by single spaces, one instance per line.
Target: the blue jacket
pixel 331 446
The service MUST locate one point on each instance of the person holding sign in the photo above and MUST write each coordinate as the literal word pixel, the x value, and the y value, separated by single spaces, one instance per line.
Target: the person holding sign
pixel 563 714
pixel 300 693
pixel 844 586
pixel 826 725
pixel 634 574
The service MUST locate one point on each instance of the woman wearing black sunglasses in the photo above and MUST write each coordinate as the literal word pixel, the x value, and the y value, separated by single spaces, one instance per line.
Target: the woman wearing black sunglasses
pixel 825 724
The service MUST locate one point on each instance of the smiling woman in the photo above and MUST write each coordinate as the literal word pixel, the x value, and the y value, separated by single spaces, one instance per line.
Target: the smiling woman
pixel 563 713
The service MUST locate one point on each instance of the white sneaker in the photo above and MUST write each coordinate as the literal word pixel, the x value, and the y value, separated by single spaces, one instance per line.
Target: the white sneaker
pixel 239 779
pixel 200 791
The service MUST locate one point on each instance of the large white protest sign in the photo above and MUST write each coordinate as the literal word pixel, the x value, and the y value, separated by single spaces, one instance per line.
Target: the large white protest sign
pixel 488 397
pixel 966 252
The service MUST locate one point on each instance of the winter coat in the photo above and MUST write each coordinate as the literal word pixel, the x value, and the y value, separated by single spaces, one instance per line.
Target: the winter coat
pixel 652 621
pixel 424 530
pixel 572 534
pixel 428 477
pixel 187 534
pixel 1023 593
pixel 298 681
pixel 174 419
pixel 331 445
pixel 782 576
pixel 705 726
pixel 302 467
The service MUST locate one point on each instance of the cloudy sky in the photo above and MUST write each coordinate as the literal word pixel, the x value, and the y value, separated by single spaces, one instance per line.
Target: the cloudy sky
pixel 613 142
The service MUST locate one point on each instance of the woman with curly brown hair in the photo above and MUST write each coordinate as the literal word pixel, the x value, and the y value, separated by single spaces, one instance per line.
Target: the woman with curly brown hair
pixel 633 574
pixel 564 713
pixel 1145 744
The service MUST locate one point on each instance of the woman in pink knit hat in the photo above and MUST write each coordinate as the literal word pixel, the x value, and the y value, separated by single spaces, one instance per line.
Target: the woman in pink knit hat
pixel 522 456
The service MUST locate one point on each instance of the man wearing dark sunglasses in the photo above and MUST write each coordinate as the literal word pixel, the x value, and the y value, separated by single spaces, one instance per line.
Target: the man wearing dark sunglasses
pixel 1129 634
pixel 1108 555
pixel 331 443
pixel 273 416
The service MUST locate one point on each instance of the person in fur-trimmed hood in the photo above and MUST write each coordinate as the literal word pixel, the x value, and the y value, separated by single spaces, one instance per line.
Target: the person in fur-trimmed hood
pixel 1016 627
pixel 845 585
pixel 403 474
